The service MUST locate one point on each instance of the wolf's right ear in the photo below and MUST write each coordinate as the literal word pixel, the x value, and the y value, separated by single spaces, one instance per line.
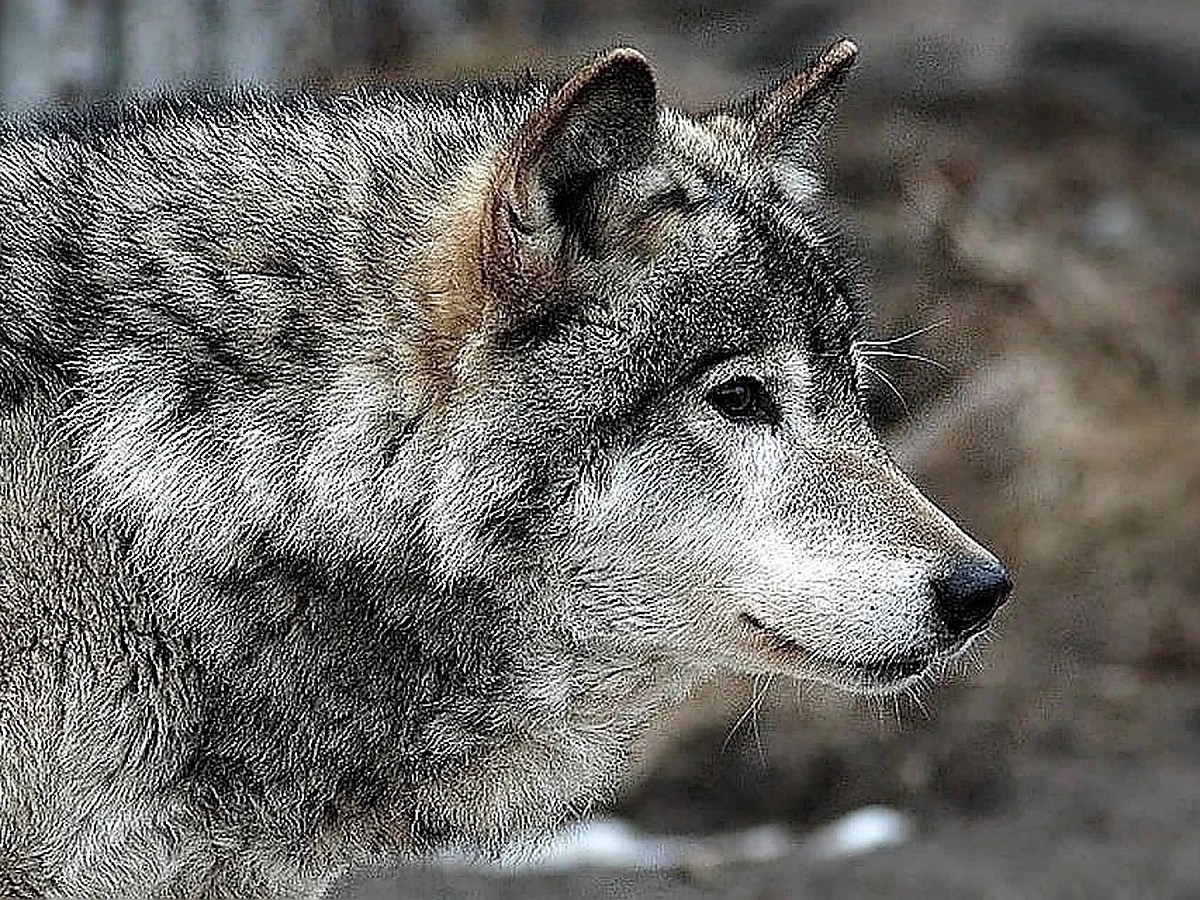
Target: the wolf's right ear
pixel 601 121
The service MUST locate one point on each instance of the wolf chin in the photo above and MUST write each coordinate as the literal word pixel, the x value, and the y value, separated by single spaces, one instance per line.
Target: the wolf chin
pixel 375 465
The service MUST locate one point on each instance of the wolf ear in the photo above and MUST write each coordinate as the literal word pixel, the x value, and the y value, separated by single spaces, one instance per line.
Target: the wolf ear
pixel 788 119
pixel 602 120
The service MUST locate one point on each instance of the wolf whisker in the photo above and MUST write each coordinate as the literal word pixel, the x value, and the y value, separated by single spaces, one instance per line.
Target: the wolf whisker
pixel 867 367
pixel 898 355
pixel 758 700
pixel 918 689
pixel 762 683
pixel 887 342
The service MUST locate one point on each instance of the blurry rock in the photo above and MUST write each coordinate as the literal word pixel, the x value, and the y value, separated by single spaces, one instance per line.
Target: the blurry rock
pixel 609 843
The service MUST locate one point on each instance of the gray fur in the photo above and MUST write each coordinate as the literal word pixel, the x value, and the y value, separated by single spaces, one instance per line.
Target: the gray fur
pixel 310 560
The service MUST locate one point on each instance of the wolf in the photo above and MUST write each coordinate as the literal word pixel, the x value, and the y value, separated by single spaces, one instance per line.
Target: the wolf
pixel 377 464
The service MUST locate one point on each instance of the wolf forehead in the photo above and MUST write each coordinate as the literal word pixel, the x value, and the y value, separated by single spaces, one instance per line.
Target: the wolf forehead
pixel 727 237
pixel 709 232
pixel 702 199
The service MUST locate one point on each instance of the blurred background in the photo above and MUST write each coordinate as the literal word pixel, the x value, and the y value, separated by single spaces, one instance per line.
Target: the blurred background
pixel 1024 182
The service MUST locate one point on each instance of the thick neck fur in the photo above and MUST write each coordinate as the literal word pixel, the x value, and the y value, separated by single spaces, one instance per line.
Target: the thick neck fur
pixel 243 657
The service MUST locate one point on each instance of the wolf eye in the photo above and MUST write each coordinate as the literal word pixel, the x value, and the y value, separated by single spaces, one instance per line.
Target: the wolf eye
pixel 743 399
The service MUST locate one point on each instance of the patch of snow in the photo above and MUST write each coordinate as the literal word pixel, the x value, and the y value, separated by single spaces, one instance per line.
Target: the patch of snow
pixel 606 843
pixel 862 831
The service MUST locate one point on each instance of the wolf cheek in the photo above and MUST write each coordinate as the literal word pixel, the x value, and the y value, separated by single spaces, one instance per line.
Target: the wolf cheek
pixel 819 562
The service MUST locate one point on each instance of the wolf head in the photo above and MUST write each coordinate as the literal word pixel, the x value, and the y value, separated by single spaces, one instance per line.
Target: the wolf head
pixel 648 365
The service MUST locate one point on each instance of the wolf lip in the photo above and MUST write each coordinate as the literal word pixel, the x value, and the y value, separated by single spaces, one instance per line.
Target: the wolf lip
pixel 783 641
pixel 892 669
pixel 882 672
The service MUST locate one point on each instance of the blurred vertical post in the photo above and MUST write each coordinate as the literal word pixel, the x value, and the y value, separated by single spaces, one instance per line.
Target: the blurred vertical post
pixel 54 50
pixel 163 42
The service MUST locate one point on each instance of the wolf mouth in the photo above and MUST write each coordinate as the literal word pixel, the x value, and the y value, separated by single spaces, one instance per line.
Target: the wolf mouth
pixel 874 674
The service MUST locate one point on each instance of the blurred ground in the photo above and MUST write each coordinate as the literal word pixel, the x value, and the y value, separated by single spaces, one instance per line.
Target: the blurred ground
pixel 1027 181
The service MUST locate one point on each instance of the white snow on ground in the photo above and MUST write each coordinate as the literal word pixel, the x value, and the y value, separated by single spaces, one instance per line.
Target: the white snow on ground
pixel 859 832
pixel 615 844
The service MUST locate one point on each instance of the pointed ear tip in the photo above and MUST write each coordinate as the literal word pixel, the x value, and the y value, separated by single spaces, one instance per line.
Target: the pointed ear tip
pixel 626 55
pixel 843 50
pixel 627 59
pixel 628 66
pixel 839 56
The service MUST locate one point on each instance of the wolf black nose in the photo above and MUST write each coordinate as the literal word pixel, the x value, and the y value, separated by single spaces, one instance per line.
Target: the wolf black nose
pixel 966 598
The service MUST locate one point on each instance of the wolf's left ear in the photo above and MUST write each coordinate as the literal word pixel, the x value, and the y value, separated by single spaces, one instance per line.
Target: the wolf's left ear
pixel 601 121
pixel 787 120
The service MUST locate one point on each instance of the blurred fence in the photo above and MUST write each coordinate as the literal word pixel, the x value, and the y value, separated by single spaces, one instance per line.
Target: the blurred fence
pixel 65 50
pixel 56 51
